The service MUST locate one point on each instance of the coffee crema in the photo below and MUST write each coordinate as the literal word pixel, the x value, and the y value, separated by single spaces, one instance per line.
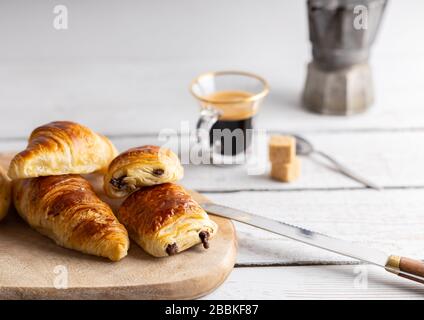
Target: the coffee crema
pixel 235 120
pixel 233 104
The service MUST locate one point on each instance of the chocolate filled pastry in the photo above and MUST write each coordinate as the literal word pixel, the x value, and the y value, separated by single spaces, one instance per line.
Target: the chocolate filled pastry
pixel 5 194
pixel 139 167
pixel 66 209
pixel 62 147
pixel 164 220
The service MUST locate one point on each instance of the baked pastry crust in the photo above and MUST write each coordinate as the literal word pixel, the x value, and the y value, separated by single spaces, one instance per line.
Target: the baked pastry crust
pixel 62 147
pixel 5 194
pixel 66 209
pixel 139 167
pixel 164 219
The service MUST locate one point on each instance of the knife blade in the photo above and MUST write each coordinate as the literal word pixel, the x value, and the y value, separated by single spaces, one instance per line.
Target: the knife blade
pixel 402 266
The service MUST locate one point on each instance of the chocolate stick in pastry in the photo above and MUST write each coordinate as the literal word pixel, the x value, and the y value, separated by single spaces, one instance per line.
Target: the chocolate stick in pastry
pixel 139 167
pixel 164 220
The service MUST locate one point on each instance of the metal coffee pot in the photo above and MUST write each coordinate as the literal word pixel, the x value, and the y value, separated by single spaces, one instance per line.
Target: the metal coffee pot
pixel 339 79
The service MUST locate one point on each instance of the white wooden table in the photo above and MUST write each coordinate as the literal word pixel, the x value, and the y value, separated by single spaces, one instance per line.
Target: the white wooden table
pixel 125 72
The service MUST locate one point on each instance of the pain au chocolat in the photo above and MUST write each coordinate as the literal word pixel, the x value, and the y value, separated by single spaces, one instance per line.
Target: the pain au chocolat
pixel 62 147
pixel 139 167
pixel 164 220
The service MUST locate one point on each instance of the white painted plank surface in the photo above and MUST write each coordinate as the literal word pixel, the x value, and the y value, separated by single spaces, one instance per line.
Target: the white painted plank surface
pixel 391 220
pixel 131 76
pixel 169 30
pixel 391 159
pixel 120 85
pixel 317 282
pixel 147 96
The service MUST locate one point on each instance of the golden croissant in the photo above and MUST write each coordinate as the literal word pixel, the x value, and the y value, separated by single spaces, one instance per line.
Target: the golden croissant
pixel 66 209
pixel 164 220
pixel 140 167
pixel 62 147
pixel 5 194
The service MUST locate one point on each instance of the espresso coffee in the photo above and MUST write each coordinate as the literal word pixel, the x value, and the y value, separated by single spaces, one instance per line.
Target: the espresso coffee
pixel 232 132
pixel 233 136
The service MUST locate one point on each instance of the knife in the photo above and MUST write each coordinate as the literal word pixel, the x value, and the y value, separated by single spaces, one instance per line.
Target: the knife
pixel 402 266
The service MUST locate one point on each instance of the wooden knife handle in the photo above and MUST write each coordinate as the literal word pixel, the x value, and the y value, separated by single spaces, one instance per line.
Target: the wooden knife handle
pixel 406 267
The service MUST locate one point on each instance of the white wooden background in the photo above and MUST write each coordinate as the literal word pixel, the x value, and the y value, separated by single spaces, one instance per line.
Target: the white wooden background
pixel 123 68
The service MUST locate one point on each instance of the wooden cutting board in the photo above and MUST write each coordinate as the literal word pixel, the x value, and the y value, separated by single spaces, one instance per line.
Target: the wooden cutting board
pixel 34 267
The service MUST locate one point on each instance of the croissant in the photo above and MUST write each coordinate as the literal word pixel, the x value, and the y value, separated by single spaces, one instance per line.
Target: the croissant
pixel 66 209
pixel 139 167
pixel 164 220
pixel 62 147
pixel 5 194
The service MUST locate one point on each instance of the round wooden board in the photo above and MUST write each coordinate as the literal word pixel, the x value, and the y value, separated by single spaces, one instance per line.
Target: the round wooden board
pixel 34 267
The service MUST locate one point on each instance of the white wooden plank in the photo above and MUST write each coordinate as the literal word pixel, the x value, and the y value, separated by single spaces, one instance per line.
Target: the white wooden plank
pixel 131 76
pixel 155 30
pixel 119 85
pixel 390 220
pixel 316 282
pixel 147 96
pixel 388 159
pixel 142 29
pixel 391 159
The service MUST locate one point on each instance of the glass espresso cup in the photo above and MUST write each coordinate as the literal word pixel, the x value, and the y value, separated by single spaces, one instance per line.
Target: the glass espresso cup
pixel 229 101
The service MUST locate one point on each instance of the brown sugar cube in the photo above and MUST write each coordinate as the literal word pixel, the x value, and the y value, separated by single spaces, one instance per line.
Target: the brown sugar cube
pixel 282 149
pixel 286 172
